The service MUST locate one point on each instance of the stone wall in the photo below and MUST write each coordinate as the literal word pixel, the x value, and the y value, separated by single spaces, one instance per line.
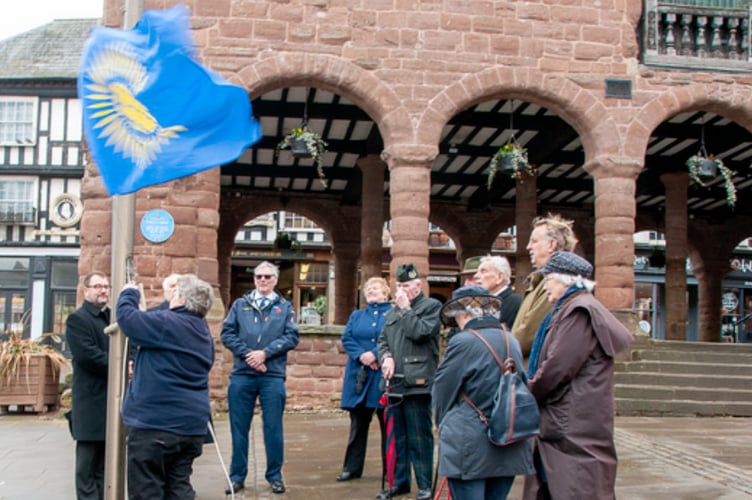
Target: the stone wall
pixel 314 371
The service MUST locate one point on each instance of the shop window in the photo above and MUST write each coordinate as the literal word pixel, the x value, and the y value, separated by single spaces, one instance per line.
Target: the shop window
pixel 63 281
pixel 313 272
pixel 18 125
pixel 643 304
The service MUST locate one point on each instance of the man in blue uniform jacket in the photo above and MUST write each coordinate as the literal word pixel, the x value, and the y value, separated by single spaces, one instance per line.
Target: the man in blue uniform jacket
pixel 259 330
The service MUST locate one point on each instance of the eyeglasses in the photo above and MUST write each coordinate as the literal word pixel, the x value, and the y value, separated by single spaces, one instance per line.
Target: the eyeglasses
pixel 264 276
pixel 99 287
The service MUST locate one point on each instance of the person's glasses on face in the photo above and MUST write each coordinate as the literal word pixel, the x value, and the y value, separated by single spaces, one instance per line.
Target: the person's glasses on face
pixel 264 276
pixel 99 287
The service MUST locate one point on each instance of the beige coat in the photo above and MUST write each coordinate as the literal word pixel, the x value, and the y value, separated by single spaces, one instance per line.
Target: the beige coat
pixel 533 309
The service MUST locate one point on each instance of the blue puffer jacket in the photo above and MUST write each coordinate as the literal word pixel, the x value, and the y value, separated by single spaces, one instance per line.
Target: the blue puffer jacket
pixel 247 329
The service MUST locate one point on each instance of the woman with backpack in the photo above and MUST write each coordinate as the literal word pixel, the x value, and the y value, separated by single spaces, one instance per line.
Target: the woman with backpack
pixel 475 468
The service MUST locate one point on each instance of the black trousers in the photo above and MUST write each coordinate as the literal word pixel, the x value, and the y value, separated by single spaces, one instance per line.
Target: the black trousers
pixel 160 465
pixel 360 421
pixel 89 470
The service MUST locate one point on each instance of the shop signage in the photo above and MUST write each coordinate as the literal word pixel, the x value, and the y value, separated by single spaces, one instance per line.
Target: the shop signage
pixel 743 265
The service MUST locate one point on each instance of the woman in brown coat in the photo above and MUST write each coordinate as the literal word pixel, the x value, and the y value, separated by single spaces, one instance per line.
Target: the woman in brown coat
pixel 571 375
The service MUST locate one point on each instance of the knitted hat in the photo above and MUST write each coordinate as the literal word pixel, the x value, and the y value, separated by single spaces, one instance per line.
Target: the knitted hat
pixel 471 265
pixel 567 263
pixel 407 272
pixel 464 296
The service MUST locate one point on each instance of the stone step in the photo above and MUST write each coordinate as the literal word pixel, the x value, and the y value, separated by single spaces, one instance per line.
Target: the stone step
pixel 678 367
pixel 654 407
pixel 688 355
pixel 718 347
pixel 684 380
pixel 679 393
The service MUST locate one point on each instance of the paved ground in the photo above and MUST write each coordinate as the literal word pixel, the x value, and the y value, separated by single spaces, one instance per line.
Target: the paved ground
pixel 659 459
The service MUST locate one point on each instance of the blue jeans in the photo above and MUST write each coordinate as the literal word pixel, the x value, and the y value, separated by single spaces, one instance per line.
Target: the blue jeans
pixel 492 488
pixel 241 397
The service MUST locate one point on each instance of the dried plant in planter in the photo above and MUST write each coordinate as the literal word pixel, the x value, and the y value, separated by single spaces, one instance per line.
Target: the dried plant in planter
pixel 16 353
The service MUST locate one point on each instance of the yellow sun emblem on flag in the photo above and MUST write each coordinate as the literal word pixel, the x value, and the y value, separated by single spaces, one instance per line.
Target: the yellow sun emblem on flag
pixel 116 80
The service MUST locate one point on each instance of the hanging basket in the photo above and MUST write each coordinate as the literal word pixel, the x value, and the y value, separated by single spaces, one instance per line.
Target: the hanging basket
pixel 508 165
pixel 299 148
pixel 707 168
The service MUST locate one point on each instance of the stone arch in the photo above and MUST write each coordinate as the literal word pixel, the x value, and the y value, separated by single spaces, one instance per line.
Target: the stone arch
pixel 339 223
pixel 471 232
pixel 378 100
pixel 576 105
pixel 716 98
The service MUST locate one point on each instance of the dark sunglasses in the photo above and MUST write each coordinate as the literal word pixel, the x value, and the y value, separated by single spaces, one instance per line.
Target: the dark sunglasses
pixel 264 276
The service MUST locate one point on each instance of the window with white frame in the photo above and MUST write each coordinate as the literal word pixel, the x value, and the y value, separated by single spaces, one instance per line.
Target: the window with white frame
pixel 18 124
pixel 17 201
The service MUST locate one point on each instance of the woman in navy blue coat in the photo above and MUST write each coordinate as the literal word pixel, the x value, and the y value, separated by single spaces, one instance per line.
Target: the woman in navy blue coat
pixel 361 384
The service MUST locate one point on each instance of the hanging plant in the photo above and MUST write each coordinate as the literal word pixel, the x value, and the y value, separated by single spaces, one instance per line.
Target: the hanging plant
pixel 510 159
pixel 701 167
pixel 306 143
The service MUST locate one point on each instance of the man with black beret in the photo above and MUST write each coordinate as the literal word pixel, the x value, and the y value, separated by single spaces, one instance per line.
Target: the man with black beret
pixel 408 350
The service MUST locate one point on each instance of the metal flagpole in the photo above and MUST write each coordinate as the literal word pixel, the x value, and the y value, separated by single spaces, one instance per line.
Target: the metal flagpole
pixel 123 224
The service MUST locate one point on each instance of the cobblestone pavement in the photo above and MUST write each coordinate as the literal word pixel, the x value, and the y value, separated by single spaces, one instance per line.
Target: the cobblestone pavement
pixel 659 459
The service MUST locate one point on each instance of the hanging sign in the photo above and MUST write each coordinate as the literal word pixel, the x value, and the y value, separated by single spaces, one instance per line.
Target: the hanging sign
pixel 157 225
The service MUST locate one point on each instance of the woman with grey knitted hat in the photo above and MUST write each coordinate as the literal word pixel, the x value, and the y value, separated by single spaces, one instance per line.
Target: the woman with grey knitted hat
pixel 571 375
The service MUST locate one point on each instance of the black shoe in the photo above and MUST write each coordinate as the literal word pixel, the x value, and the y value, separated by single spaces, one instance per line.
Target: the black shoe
pixel 393 492
pixel 346 476
pixel 277 486
pixel 236 486
pixel 423 495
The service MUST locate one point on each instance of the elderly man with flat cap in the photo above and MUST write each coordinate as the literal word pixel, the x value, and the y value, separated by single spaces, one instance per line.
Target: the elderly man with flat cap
pixel 408 349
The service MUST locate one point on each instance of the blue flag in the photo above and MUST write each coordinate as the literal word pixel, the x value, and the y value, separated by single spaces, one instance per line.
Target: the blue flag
pixel 152 113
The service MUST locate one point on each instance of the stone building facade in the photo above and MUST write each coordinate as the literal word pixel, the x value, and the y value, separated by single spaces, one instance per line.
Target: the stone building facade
pixel 411 66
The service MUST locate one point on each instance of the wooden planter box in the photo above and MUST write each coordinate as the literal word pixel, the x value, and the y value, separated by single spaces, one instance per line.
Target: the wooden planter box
pixel 37 389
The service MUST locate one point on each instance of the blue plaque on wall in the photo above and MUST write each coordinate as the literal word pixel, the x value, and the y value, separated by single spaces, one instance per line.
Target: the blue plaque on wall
pixel 157 225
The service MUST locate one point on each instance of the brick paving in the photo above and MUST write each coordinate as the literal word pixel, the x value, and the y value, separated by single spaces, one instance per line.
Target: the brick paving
pixel 659 459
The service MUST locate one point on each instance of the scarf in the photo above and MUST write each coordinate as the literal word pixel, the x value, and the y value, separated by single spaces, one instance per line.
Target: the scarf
pixel 540 334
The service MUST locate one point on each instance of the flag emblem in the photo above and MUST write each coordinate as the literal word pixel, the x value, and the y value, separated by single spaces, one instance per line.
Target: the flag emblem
pixel 127 125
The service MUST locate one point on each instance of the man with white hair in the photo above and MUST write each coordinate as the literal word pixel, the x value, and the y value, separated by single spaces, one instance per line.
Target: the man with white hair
pixel 260 329
pixel 494 274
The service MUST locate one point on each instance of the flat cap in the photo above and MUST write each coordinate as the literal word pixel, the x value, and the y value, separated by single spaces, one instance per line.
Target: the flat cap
pixel 567 263
pixel 407 272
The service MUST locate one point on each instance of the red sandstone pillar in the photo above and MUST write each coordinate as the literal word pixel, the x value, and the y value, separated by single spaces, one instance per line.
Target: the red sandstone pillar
pixel 345 282
pixel 524 212
pixel 615 180
pixel 676 254
pixel 709 272
pixel 372 216
pixel 410 202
